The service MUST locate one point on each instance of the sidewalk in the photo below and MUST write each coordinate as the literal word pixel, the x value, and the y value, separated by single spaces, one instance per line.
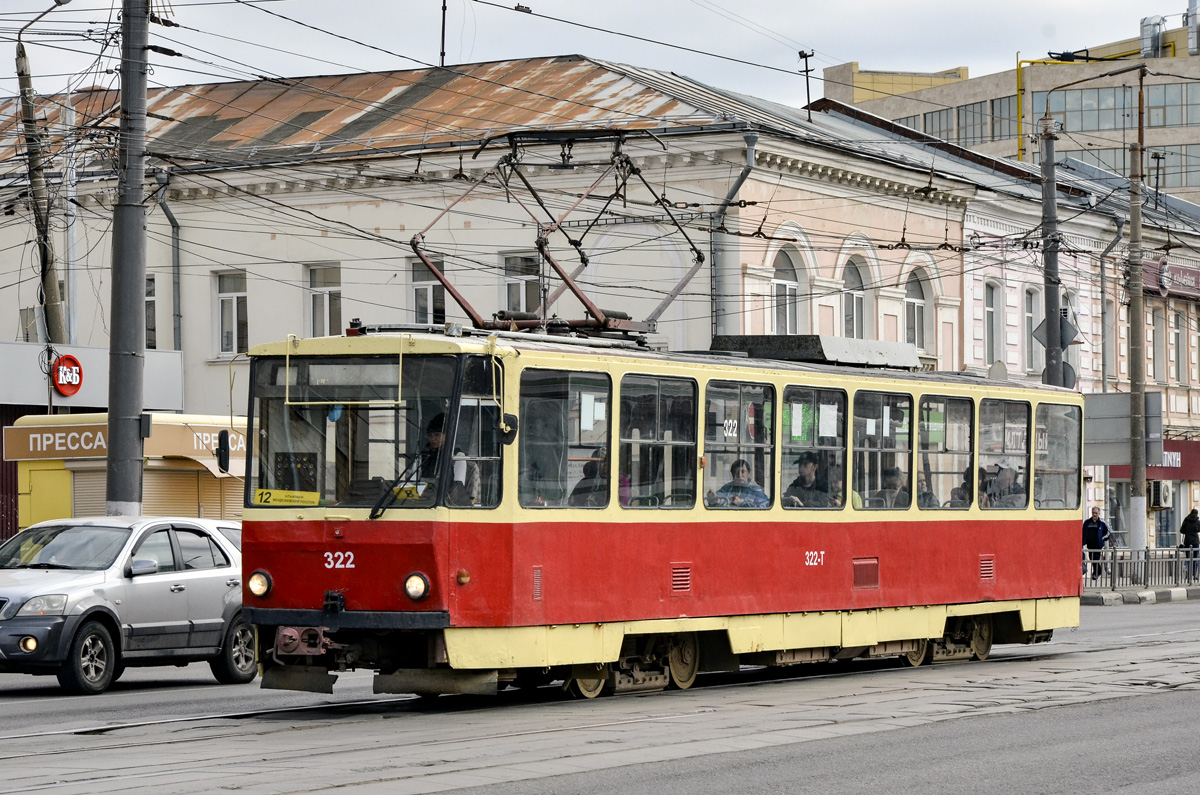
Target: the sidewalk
pixel 1133 596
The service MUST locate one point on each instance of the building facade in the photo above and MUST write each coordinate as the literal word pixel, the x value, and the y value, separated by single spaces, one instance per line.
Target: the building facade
pixel 280 210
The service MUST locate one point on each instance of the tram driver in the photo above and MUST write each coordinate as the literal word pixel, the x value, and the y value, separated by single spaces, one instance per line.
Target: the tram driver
pixel 466 484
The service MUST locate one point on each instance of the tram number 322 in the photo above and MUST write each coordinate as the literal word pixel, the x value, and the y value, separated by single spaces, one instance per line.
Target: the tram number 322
pixel 339 560
pixel 811 557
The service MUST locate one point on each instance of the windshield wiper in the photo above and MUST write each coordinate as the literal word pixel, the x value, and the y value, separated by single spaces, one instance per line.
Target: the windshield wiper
pixel 389 495
pixel 44 566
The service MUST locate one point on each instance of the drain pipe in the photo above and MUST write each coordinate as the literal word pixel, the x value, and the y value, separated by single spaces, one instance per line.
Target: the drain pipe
pixel 725 282
pixel 1104 341
pixel 176 315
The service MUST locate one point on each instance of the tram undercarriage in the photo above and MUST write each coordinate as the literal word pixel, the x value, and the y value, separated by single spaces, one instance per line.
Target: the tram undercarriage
pixel 309 658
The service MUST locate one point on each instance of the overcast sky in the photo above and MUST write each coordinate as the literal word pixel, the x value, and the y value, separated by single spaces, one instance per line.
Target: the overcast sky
pixel 237 39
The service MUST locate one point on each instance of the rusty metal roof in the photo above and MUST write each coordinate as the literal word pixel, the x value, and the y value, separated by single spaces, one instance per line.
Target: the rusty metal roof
pixel 254 121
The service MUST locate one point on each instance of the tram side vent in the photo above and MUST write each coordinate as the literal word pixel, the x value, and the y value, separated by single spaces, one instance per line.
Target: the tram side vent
pixel 987 567
pixel 681 578
pixel 537 583
pixel 866 573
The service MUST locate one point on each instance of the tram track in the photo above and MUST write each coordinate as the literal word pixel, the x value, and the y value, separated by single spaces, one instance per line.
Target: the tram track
pixel 471 737
pixel 747 678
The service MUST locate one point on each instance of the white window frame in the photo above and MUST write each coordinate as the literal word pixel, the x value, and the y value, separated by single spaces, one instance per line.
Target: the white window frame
pixel 1159 321
pixel 151 313
pixel 785 297
pixel 522 286
pixel 1181 354
pixel 324 319
pixel 236 302
pixel 915 330
pixel 1033 311
pixel 993 319
pixel 426 291
pixel 854 304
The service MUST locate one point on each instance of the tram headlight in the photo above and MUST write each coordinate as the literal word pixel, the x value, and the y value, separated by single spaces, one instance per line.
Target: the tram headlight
pixel 259 583
pixel 416 585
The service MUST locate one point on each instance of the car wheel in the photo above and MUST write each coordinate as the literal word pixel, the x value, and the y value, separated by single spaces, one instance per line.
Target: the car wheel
pixel 92 662
pixel 236 665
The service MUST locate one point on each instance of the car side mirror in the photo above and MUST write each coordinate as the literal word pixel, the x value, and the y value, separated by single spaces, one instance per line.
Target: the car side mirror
pixel 223 451
pixel 140 568
pixel 508 429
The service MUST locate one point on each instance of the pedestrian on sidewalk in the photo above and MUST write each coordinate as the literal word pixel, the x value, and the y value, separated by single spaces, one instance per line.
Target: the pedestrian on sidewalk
pixel 1095 537
pixel 1190 533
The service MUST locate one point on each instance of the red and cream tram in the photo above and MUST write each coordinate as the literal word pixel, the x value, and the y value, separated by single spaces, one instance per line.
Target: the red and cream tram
pixel 459 513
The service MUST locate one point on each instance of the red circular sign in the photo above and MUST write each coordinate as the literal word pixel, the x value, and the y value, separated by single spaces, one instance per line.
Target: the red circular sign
pixel 67 375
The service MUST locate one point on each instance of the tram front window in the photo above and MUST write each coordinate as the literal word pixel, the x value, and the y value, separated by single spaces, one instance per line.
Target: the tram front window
pixel 342 430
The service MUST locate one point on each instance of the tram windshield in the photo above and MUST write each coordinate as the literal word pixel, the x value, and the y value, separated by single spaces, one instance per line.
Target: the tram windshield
pixel 344 430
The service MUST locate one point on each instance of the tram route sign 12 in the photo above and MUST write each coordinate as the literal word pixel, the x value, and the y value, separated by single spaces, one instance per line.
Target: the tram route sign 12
pixel 1106 428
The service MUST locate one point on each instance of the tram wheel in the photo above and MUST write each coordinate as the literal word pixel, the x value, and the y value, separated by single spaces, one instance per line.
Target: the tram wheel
pixel 591 685
pixel 586 687
pixel 683 661
pixel 922 655
pixel 981 638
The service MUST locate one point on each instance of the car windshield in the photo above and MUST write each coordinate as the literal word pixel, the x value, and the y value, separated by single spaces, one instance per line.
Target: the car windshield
pixel 64 546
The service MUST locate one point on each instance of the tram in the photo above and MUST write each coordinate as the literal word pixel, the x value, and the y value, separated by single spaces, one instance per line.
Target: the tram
pixel 462 510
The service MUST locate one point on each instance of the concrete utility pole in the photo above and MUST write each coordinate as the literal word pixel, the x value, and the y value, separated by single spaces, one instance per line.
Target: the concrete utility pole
pixel 127 343
pixel 1137 339
pixel 1054 363
pixel 56 330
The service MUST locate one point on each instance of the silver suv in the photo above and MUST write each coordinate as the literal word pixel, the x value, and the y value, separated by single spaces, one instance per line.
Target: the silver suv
pixel 84 598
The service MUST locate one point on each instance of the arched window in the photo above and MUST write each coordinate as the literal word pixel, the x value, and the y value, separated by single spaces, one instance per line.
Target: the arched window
pixel 993 319
pixel 854 303
pixel 785 289
pixel 914 310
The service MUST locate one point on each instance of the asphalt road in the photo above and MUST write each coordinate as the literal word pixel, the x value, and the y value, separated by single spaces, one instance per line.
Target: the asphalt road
pixel 1104 709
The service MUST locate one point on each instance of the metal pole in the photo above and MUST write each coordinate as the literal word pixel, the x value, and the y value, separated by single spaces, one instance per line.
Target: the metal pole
pixel 443 61
pixel 39 196
pixel 72 300
pixel 127 344
pixel 1137 344
pixel 1050 280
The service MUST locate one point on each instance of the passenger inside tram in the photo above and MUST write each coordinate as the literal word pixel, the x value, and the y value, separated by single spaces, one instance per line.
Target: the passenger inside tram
pixel 893 493
pixel 1006 490
pixel 808 490
pixel 592 489
pixel 741 491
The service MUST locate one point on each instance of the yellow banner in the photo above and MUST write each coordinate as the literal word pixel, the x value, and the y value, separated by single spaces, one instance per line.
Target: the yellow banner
pixel 286 498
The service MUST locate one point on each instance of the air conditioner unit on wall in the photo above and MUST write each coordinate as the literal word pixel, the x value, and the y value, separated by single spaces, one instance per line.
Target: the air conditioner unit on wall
pixel 1160 493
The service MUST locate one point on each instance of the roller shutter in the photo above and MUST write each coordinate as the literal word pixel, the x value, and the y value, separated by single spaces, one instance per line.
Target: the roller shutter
pixel 170 494
pixel 88 494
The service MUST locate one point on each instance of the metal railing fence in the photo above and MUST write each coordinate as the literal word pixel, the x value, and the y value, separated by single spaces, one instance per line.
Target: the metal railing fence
pixel 1118 567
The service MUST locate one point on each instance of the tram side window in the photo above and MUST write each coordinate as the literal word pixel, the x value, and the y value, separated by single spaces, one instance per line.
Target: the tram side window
pixel 738 442
pixel 1057 459
pixel 882 450
pixel 564 440
pixel 814 441
pixel 658 441
pixel 945 476
pixel 475 473
pixel 1003 454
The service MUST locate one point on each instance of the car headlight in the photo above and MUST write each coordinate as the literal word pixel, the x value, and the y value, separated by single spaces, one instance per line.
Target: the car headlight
pixel 416 586
pixel 49 605
pixel 259 583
